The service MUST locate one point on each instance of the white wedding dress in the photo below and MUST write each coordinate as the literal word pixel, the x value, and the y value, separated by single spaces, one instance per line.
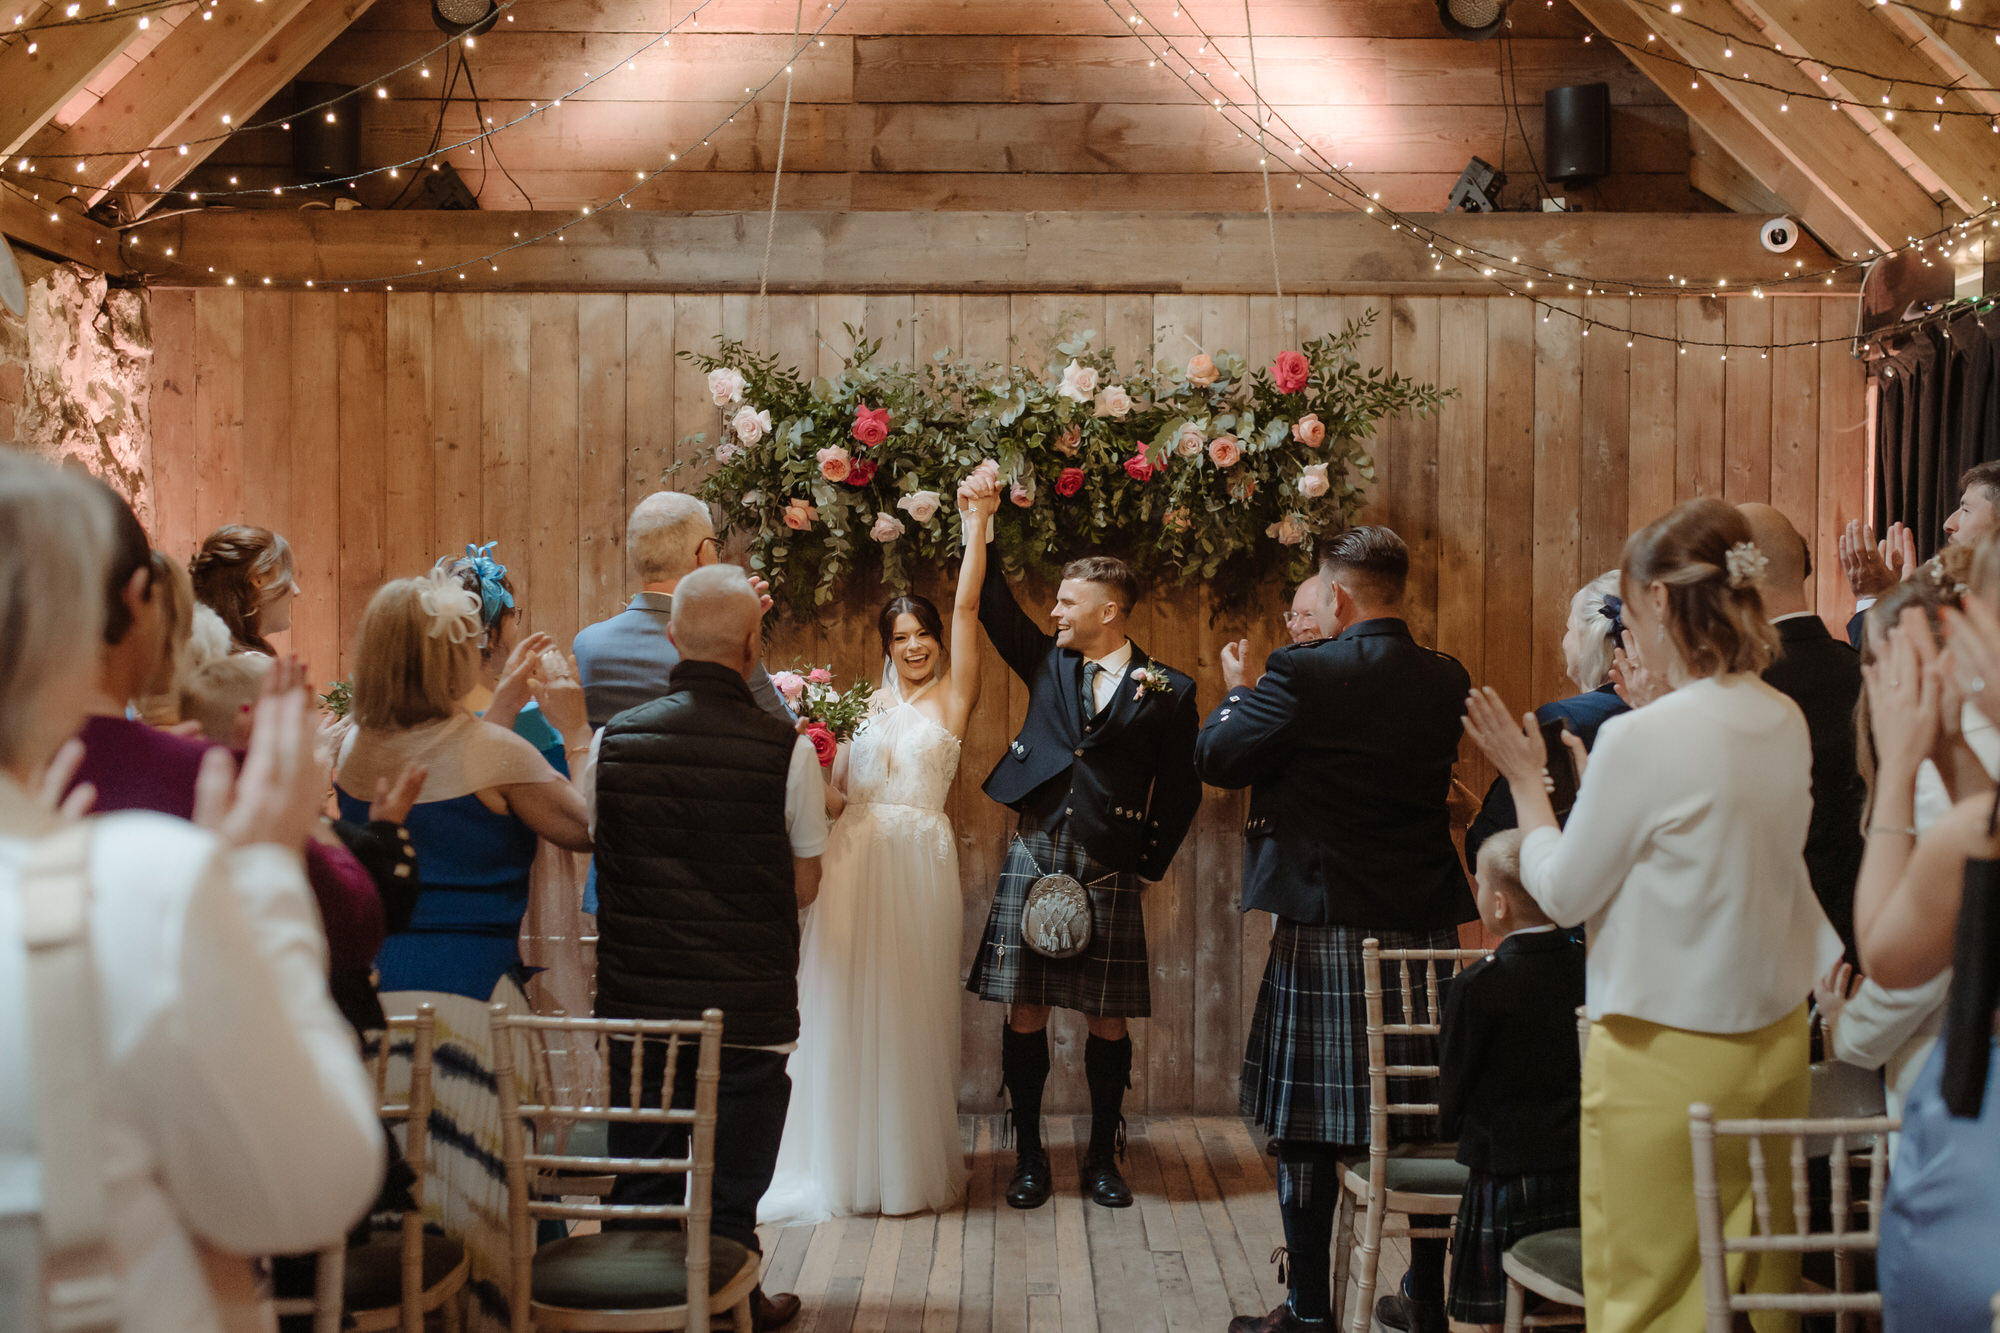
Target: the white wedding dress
pixel 873 1123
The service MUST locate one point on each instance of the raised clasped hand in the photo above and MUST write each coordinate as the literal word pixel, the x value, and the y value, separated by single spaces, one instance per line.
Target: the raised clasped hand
pixel 1636 684
pixel 1233 657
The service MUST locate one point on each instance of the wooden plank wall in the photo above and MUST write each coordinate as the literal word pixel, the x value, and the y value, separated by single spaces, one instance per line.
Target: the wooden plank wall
pixel 1042 104
pixel 378 432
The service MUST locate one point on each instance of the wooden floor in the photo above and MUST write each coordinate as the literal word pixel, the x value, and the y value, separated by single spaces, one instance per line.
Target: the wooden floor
pixel 1193 1250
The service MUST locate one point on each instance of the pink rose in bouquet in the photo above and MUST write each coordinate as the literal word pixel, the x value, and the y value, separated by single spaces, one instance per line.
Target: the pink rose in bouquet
pixel 1201 371
pixel 1069 440
pixel 920 505
pixel 1069 482
pixel 1309 430
pixel 749 424
pixel 1313 482
pixel 1224 450
pixel 790 684
pixel 1290 372
pixel 1288 530
pixel 725 386
pixel 1078 382
pixel 1022 497
pixel 799 515
pixel 823 743
pixel 725 453
pixel 871 425
pixel 1189 441
pixel 1114 401
pixel 1139 467
pixel 887 527
pixel 835 463
pixel 819 676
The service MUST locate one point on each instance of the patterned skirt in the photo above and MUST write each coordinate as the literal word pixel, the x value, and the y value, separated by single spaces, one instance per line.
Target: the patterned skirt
pixel 1109 979
pixel 1495 1212
pixel 1305 1072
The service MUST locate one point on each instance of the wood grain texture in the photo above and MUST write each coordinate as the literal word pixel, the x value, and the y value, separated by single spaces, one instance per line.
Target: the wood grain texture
pixel 377 432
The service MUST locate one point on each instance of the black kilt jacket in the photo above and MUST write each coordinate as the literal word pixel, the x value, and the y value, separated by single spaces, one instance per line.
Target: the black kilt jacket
pixel 1125 782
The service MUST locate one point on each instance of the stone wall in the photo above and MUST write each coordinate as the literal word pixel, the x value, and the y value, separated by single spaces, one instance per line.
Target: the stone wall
pixel 75 376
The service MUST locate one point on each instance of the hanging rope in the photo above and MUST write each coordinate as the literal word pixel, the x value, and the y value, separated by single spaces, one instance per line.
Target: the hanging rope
pixel 1264 165
pixel 771 224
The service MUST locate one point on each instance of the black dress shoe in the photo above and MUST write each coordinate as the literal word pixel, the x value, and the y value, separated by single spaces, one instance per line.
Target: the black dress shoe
pixel 1033 1180
pixel 772 1312
pixel 1402 1314
pixel 1102 1184
pixel 1280 1320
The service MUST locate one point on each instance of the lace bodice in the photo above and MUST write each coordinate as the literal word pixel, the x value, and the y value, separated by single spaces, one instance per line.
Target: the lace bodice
pixel 901 757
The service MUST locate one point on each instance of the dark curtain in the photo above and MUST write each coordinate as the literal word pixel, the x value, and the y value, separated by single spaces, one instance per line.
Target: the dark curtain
pixel 1937 414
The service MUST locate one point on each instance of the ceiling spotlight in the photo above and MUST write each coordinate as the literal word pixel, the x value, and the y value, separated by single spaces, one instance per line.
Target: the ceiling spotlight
pixel 1472 20
pixel 464 18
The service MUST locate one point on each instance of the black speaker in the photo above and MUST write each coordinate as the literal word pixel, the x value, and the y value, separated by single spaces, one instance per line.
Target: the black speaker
pixel 326 140
pixel 1576 132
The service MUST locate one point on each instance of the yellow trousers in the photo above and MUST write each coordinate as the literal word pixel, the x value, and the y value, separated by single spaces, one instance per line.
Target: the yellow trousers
pixel 1641 1261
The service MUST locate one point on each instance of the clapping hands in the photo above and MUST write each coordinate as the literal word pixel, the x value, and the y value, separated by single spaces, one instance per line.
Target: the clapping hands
pixel 1637 684
pixel 1872 567
pixel 278 795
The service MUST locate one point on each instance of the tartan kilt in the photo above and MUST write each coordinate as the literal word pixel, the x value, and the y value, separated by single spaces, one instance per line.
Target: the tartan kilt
pixel 1305 1072
pixel 1495 1212
pixel 1109 979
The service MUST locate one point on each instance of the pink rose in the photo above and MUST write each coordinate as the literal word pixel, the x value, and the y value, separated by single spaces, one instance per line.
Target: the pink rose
pixel 1114 401
pixel 1288 530
pixel 887 527
pixel 824 745
pixel 799 515
pixel 1069 440
pixel 871 424
pixel 920 505
pixel 835 463
pixel 1139 467
pixel 788 683
pixel 1313 482
pixel 1290 371
pixel 725 386
pixel 862 472
pixel 725 452
pixel 1078 382
pixel 1201 371
pixel 819 676
pixel 750 425
pixel 1021 496
pixel 1189 441
pixel 1069 482
pixel 1310 431
pixel 1223 451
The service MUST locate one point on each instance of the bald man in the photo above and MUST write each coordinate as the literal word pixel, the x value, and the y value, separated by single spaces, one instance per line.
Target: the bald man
pixel 710 817
pixel 1823 676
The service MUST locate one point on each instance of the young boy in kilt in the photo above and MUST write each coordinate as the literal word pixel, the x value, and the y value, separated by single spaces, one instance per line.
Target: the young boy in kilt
pixel 1509 1086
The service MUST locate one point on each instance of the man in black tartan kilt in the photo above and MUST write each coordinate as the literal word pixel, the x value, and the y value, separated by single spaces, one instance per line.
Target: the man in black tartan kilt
pixel 1102 774
pixel 1347 744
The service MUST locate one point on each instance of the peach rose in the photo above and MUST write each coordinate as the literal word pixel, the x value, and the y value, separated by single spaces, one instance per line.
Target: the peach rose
pixel 1310 431
pixel 1224 450
pixel 887 527
pixel 1313 482
pixel 1201 371
pixel 835 463
pixel 1288 530
pixel 799 515
pixel 1069 440
pixel 1189 440
pixel 1113 401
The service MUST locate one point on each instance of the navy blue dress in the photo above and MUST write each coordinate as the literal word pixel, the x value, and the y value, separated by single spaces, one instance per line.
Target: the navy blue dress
pixel 1586 713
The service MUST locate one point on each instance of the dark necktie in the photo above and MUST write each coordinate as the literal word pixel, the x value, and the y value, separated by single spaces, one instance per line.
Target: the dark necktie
pixel 1090 672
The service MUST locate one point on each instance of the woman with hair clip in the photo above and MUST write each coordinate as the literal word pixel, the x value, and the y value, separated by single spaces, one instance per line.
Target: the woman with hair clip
pixel 1683 859
pixel 1924 905
pixel 875 1076
pixel 244 574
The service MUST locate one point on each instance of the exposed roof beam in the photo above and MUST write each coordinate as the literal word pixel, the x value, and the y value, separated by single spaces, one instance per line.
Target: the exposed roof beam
pixel 256 81
pixel 1959 150
pixel 39 74
pixel 155 103
pixel 1962 53
pixel 1824 143
pixel 59 232
pixel 1740 137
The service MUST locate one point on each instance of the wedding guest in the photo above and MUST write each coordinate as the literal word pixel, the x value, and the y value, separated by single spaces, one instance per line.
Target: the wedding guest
pixel 710 820
pixel 159 699
pixel 1682 858
pixel 231 1110
pixel 1941 1220
pixel 1508 1080
pixel 1347 745
pixel 245 575
pixel 1592 633
pixel 1872 568
pixel 1823 677
pixel 627 660
pixel 1301 624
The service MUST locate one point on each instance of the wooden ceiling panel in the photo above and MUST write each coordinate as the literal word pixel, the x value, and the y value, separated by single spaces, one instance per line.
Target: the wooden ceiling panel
pixel 39 74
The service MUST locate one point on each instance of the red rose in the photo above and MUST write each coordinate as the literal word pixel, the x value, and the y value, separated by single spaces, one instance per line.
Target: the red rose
pixel 871 424
pixel 1139 467
pixel 861 471
pixel 1290 371
pixel 824 745
pixel 1069 482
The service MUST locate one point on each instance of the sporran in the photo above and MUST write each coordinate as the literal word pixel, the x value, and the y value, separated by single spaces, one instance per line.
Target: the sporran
pixel 1055 917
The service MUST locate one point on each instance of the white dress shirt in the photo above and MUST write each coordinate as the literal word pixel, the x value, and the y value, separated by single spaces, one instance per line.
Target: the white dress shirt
pixel 235 1109
pixel 1114 663
pixel 1684 856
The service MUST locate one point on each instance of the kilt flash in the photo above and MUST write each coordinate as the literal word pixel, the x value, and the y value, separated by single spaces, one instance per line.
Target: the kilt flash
pixel 1109 979
pixel 1305 1072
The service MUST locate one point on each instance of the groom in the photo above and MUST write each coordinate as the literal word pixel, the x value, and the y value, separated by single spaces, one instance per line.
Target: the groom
pixel 1102 774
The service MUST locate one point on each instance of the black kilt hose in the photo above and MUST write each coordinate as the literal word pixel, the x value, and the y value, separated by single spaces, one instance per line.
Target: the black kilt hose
pixel 1110 978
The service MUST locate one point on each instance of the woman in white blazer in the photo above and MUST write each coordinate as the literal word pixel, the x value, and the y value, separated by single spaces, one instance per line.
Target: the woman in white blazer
pixel 1683 859
pixel 234 1115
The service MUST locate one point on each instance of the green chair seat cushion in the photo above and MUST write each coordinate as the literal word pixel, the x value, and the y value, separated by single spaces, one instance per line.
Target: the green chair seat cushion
pixel 629 1270
pixel 374 1279
pixel 1418 1175
pixel 1554 1255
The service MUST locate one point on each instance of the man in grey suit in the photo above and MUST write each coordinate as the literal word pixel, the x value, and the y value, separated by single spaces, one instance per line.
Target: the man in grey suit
pixel 625 661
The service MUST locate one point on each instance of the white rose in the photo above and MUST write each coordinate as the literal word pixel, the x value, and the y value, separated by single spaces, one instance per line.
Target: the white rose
pixel 1313 482
pixel 1114 401
pixel 725 452
pixel 1189 440
pixel 725 386
pixel 887 527
pixel 750 425
pixel 1078 383
pixel 921 505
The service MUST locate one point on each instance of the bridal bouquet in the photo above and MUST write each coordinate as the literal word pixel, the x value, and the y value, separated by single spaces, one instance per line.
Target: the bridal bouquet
pixel 831 715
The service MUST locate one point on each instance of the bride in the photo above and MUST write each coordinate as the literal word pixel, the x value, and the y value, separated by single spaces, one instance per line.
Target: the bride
pixel 873 1126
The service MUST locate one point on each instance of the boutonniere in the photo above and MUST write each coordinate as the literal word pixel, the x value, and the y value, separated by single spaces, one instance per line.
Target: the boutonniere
pixel 1151 680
